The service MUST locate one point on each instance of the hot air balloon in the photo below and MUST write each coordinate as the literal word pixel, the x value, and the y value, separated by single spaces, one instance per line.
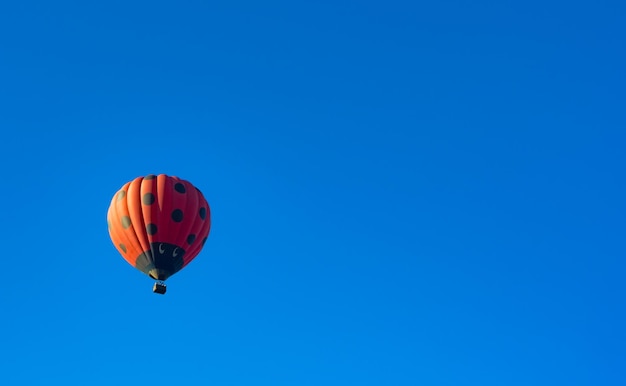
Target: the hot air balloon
pixel 159 224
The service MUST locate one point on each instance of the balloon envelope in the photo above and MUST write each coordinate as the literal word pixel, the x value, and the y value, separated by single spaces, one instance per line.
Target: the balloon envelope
pixel 159 224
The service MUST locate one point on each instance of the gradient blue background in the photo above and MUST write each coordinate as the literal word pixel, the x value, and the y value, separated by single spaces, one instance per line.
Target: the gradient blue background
pixel 403 193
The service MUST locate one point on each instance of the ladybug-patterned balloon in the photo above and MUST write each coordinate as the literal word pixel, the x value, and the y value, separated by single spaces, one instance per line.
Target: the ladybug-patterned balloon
pixel 159 224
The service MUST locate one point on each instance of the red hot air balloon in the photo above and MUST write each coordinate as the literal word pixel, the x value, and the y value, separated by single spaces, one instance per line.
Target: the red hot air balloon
pixel 159 224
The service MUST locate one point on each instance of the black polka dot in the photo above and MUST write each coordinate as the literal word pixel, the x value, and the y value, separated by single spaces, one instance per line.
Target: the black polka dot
pixel 177 215
pixel 126 222
pixel 204 240
pixel 121 195
pixel 151 229
pixel 202 213
pixel 149 177
pixel 180 188
pixel 191 238
pixel 123 247
pixel 148 198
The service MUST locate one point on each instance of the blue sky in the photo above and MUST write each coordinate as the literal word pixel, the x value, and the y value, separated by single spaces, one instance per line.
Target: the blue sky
pixel 402 193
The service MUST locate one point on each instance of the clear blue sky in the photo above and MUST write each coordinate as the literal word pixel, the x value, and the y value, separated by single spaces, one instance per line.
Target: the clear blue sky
pixel 403 193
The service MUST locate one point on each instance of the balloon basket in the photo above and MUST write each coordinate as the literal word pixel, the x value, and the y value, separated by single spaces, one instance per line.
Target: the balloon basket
pixel 159 288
